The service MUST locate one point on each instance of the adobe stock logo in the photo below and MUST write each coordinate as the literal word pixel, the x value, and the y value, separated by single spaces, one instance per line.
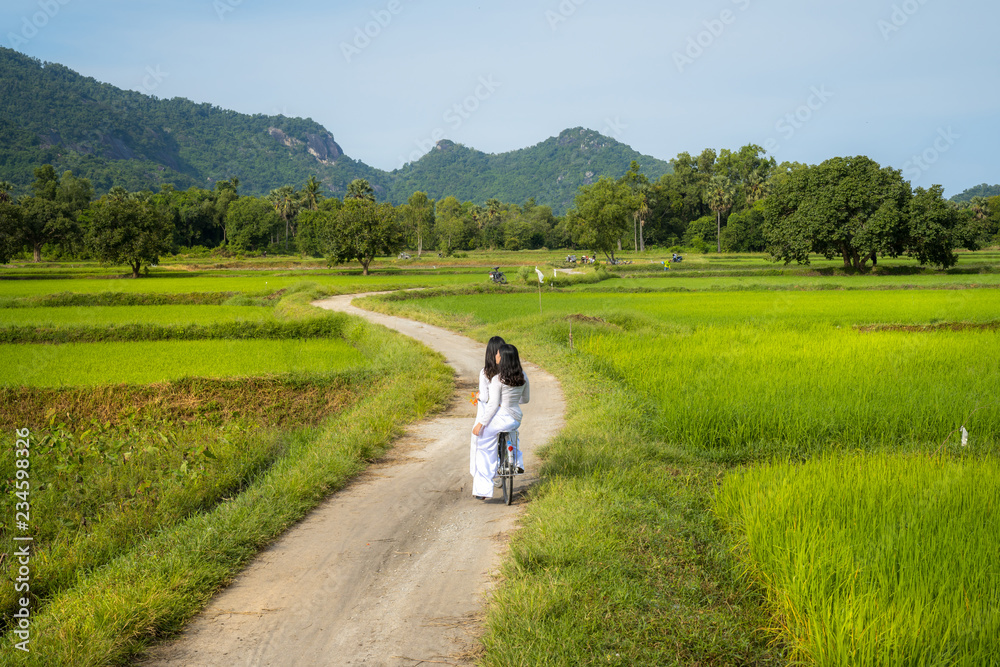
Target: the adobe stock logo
pixel 363 36
pixel 455 116
pixel 566 9
pixel 30 27
pixel 901 15
pixel 916 166
pixel 153 79
pixel 793 121
pixel 714 28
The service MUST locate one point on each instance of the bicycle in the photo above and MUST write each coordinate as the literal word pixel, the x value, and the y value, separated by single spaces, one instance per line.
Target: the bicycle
pixel 507 468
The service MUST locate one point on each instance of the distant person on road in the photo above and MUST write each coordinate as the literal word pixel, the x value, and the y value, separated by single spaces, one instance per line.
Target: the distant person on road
pixel 508 390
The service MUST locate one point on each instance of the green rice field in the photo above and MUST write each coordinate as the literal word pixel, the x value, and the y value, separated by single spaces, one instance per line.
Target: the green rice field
pixel 874 559
pixel 760 465
pixel 89 364
pixel 249 284
pixel 678 280
pixel 847 499
pixel 735 373
pixel 69 316
pixel 780 309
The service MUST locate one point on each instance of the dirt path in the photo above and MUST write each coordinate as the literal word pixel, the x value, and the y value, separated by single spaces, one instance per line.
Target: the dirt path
pixel 393 569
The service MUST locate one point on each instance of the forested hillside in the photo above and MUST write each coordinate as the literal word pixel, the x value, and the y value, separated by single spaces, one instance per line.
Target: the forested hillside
pixel 49 114
pixel 551 171
pixel 981 190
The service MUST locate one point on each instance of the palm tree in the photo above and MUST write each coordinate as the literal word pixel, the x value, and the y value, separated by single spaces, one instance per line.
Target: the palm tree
pixel 286 204
pixel 980 207
pixel 720 195
pixel 311 193
pixel 640 214
pixel 359 188
pixel 757 186
pixel 118 194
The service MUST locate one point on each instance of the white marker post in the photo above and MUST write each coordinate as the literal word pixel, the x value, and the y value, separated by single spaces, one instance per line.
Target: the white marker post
pixel 541 279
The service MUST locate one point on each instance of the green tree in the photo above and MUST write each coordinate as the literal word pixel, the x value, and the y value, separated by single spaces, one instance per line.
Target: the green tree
pixel 50 215
pixel 286 202
pixel 639 185
pixel 744 231
pixel 932 226
pixel 602 215
pixel 127 231
pixel 363 231
pixel 449 226
pixel 417 216
pixel 250 223
pixel 360 188
pixel 312 193
pixel 313 228
pixel 849 207
pixel 226 192
pixel 703 228
pixel 10 230
pixel 720 196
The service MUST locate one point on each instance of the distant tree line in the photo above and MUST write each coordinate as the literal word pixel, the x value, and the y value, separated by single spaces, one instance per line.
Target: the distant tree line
pixel 738 201
pixel 742 201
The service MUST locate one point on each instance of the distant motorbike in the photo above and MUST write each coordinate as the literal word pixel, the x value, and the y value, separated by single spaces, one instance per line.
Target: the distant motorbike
pixel 676 258
pixel 497 276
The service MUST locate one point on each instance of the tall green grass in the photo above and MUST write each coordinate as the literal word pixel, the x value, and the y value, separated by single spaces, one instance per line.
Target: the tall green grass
pixel 874 559
pixel 107 315
pixel 681 281
pixel 145 362
pixel 257 283
pixel 670 311
pixel 667 393
pixel 737 392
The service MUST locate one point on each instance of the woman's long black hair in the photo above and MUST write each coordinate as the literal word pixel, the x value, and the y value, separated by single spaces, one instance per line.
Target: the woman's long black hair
pixel 510 366
pixel 492 347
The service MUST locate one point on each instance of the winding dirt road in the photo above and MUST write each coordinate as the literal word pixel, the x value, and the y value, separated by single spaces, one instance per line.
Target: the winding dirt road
pixel 394 569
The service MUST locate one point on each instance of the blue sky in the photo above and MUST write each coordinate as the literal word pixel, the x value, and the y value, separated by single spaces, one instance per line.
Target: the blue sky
pixel 910 83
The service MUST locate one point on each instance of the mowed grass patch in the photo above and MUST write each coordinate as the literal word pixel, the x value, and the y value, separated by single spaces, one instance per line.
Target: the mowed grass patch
pixel 874 559
pixel 147 362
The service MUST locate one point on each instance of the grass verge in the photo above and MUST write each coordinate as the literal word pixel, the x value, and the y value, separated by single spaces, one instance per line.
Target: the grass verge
pixel 151 586
pixel 618 560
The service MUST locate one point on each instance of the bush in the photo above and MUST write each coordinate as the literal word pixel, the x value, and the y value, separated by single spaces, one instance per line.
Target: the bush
pixel 703 228
pixel 699 245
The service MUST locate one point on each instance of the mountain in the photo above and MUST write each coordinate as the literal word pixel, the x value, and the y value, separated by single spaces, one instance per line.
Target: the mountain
pixel 982 190
pixel 50 114
pixel 550 171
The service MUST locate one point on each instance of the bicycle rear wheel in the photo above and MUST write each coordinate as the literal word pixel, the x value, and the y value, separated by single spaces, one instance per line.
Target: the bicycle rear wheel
pixel 504 469
pixel 508 483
